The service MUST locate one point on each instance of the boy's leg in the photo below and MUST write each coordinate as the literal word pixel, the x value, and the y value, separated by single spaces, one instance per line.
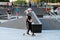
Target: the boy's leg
pixel 8 16
pixel 28 31
pixel 33 33
pixel 16 15
pixel 27 27
pixel 32 30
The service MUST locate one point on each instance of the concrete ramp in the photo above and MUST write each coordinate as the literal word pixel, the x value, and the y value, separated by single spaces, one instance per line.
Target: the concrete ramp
pixel 19 24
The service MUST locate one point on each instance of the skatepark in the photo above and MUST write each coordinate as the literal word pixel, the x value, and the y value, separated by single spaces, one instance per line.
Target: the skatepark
pixel 45 16
pixel 13 29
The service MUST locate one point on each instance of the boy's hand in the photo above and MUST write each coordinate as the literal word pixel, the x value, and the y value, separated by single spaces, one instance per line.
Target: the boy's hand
pixel 30 20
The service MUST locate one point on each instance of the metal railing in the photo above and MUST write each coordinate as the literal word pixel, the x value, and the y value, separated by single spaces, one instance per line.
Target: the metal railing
pixel 54 15
pixel 36 17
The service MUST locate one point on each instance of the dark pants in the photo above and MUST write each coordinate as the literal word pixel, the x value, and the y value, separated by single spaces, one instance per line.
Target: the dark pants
pixel 29 27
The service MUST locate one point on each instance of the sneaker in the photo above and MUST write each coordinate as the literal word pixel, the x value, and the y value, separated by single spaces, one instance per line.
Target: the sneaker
pixel 28 33
pixel 33 34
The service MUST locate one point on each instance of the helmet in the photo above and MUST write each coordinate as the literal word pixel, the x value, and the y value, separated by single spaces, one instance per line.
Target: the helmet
pixel 29 9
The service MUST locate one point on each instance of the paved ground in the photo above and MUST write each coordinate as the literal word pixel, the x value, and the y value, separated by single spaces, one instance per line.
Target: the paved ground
pixel 17 34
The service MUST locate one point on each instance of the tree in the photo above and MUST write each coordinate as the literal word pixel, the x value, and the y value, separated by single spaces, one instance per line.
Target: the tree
pixel 20 2
pixel 53 1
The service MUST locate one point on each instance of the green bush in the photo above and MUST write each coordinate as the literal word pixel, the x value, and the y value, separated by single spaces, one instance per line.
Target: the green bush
pixel 20 2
